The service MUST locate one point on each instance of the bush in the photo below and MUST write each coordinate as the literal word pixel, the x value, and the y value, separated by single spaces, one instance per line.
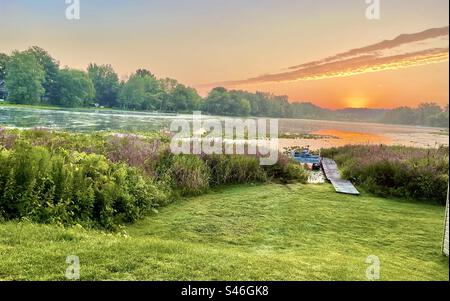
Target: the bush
pixel 7 140
pixel 72 187
pixel 234 169
pixel 105 180
pixel 420 174
pixel 186 174
pixel 87 143
pixel 131 149
pixel 286 170
pixel 190 174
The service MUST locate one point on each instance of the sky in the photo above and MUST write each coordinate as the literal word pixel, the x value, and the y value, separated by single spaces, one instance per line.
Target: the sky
pixel 322 51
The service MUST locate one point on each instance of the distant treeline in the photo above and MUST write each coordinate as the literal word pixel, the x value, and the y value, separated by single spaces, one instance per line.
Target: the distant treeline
pixel 241 103
pixel 34 77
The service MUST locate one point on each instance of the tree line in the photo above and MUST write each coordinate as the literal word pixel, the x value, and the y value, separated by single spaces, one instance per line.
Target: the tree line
pixel 34 77
pixel 242 103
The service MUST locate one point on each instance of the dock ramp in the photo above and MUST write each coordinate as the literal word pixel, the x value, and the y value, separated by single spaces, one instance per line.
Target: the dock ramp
pixel 332 174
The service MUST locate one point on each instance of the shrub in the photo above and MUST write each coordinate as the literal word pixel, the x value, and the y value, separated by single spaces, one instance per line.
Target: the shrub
pixel 190 174
pixel 104 180
pixel 286 170
pixel 187 174
pixel 420 174
pixel 131 149
pixel 234 169
pixel 7 140
pixel 87 143
pixel 72 187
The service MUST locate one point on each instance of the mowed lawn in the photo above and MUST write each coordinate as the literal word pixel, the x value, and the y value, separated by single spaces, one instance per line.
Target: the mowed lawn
pixel 271 232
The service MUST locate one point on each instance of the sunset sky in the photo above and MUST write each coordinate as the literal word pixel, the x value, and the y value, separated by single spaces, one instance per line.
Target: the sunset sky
pixel 321 51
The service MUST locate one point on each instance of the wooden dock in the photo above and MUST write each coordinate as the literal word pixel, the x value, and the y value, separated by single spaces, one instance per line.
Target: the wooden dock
pixel 332 174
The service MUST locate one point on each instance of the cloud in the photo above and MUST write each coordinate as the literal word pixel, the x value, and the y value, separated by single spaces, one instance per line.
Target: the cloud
pixel 387 44
pixel 406 50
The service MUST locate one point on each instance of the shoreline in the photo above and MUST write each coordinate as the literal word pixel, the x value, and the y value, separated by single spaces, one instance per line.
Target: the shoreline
pixel 143 113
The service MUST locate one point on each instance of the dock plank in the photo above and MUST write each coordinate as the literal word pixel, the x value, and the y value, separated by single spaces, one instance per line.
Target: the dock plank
pixel 332 173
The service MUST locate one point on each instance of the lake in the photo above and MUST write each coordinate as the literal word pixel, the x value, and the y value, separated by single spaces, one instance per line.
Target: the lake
pixel 335 133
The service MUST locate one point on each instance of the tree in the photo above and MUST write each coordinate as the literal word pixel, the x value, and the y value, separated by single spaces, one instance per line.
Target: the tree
pixel 243 107
pixel 106 84
pixel 51 69
pixel 143 73
pixel 428 111
pixel 141 91
pixel 184 99
pixel 168 84
pixel 76 88
pixel 401 115
pixel 240 103
pixel 24 78
pixel 3 63
pixel 217 102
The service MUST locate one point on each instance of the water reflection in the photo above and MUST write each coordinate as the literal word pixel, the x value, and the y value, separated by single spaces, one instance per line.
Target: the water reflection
pixel 345 132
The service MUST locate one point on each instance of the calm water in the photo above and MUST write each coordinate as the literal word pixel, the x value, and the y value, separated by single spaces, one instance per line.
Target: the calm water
pixel 91 120
pixel 83 120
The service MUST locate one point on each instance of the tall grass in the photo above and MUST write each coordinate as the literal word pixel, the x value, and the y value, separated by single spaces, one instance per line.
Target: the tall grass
pixel 185 174
pixel 235 169
pixel 106 179
pixel 420 174
pixel 71 187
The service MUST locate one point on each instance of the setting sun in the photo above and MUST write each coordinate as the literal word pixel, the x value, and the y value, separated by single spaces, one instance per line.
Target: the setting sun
pixel 356 103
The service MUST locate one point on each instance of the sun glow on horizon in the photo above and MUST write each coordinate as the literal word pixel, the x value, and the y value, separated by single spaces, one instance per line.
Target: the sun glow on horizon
pixel 357 103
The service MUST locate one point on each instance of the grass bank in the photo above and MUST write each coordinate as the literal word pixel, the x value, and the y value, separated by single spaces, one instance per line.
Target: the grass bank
pixel 105 180
pixel 415 173
pixel 274 232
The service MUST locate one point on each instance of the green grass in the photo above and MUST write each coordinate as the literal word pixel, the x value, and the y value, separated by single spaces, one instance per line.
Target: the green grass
pixel 51 107
pixel 54 107
pixel 271 232
pixel 16 105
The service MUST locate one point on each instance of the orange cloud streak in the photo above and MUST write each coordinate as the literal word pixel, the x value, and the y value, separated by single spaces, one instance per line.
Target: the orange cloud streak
pixel 373 58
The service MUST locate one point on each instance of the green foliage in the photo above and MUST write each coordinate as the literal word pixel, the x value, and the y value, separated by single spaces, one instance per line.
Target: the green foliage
pixel 3 63
pixel 55 141
pixel 71 187
pixel 141 91
pixel 106 84
pixel 181 99
pixel 51 69
pixel 186 174
pixel 286 170
pixel 241 103
pixel 24 78
pixel 420 174
pixel 429 114
pixel 190 174
pixel 151 155
pixel 76 88
pixel 280 232
pixel 235 169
